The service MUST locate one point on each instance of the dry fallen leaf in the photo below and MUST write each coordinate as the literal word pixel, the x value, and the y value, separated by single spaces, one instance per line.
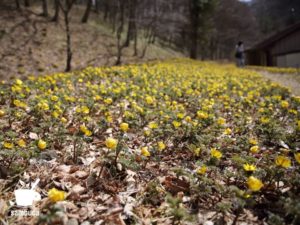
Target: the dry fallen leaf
pixel 81 174
pixel 78 189
pixel 33 136
pixel 175 185
pixel 3 208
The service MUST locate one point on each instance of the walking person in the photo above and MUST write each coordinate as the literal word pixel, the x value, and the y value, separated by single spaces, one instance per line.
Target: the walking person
pixel 239 54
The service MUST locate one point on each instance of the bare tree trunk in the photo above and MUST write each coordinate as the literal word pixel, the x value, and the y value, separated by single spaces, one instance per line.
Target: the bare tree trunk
pixel 66 10
pixel 135 43
pixel 18 4
pixel 194 22
pixel 144 51
pixel 119 32
pixel 97 6
pixel 131 22
pixel 26 3
pixel 45 8
pixel 56 14
pixel 106 9
pixel 69 50
pixel 87 11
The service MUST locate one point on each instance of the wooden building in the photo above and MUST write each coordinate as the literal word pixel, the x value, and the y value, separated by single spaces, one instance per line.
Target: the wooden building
pixel 282 49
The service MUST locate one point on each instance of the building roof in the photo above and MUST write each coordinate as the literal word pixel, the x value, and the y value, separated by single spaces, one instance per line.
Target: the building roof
pixel 276 37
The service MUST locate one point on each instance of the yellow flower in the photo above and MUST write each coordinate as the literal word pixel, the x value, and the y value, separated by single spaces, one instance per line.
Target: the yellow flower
pixel 149 100
pixel 85 130
pixel 147 132
pixel 180 115
pixel 249 167
pixel 111 143
pixel 264 120
pixel 2 112
pixel 18 82
pixel 254 184
pixel 88 133
pixel 16 88
pixel 293 111
pixel 202 115
pixel 201 170
pixel 20 104
pixel 176 124
pixel 153 125
pixel 21 143
pixel 63 120
pixel 254 149
pixel 55 114
pixel 145 152
pixel 8 145
pixel 284 104
pixel 109 119
pixel 297 157
pixel 188 119
pixel 161 145
pixel 124 127
pixel 42 144
pixel 227 131
pixel 56 195
pixel 253 141
pixel 43 104
pixel 283 161
pixel 197 152
pixel 221 121
pixel 54 98
pixel 108 101
pixel 215 153
pixel 85 110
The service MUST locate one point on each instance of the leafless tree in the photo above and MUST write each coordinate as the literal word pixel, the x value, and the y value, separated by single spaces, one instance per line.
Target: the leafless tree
pixel 45 8
pixel 56 13
pixel 18 6
pixel 66 8
pixel 120 45
pixel 132 31
pixel 26 3
pixel 87 11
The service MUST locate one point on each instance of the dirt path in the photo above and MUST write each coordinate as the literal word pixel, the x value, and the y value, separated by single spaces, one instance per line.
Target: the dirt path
pixel 291 81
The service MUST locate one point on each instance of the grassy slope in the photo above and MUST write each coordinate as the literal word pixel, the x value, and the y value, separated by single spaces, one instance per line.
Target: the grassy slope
pixel 30 44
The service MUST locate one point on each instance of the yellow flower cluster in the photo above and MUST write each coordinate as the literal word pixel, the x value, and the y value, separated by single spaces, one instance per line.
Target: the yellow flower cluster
pixel 180 106
pixel 85 130
pixel 275 69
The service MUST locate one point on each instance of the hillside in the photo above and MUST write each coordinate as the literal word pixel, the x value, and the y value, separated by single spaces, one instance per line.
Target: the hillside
pixel 31 44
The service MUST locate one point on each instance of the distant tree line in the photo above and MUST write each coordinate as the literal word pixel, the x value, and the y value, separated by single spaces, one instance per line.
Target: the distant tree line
pixel 274 15
pixel 206 29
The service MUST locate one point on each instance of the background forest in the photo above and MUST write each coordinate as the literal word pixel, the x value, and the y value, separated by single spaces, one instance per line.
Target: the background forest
pixel 107 32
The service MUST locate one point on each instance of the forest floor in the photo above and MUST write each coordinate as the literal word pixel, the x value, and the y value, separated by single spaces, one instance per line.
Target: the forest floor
pixel 31 44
